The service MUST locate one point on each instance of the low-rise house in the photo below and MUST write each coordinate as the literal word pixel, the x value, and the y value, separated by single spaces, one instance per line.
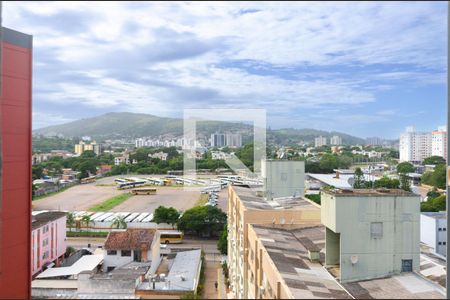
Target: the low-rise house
pixel 132 245
pixel 160 155
pixel 48 240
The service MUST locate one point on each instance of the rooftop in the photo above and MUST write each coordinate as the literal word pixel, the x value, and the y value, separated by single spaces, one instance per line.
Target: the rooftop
pixel 251 200
pixel 436 215
pixel 369 193
pixel 288 250
pixel 130 239
pixel 46 217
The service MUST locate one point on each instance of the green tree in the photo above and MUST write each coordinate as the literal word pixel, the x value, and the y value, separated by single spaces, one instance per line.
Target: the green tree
pixel 167 215
pixel 386 182
pixel 439 176
pixel 86 219
pixel 70 220
pixel 222 244
pixel 433 194
pixel 358 179
pixel 329 162
pixel 434 205
pixel 405 167
pixel 433 160
pixel 202 220
pixel 88 154
pixel 405 183
pixel 87 168
pixel 119 223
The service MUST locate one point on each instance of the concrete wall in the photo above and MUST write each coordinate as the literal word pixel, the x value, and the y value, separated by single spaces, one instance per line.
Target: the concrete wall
pixel 52 293
pixel 428 231
pixel 332 247
pixel 399 216
pixel 283 178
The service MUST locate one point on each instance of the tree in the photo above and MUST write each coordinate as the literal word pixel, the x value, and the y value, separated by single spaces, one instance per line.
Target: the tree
pixel 386 182
pixel 119 223
pixel 433 160
pixel 222 244
pixel 433 194
pixel 87 168
pixel 329 162
pixel 405 167
pixel 167 215
pixel 434 205
pixel 70 220
pixel 358 179
pixel 86 219
pixel 88 154
pixel 405 183
pixel 439 176
pixel 203 220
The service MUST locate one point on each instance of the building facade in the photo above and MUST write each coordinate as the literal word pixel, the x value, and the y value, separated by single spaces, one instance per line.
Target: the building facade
pixel 433 231
pixel 15 163
pixel 82 146
pixel 439 142
pixel 48 240
pixel 125 246
pixel 366 227
pixel 283 178
pixel 218 140
pixel 415 146
pixel 336 140
pixel 233 140
pixel 246 207
pixel 320 141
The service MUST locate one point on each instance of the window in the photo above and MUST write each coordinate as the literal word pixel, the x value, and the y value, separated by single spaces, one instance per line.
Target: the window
pixel 111 252
pixel 45 255
pixel 376 230
pixel 440 229
pixel 444 229
pixel 109 269
pixel 44 242
pixel 126 253
pixel 444 243
pixel 439 243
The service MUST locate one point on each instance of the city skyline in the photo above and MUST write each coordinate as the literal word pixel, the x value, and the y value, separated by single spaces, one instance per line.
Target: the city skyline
pixel 322 66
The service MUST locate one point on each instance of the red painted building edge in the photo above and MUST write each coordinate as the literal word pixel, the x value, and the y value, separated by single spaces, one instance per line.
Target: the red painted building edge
pixel 15 130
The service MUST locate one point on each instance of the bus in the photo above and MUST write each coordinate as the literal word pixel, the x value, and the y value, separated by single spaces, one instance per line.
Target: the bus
pixel 171 237
pixel 129 185
pixel 87 179
pixel 144 191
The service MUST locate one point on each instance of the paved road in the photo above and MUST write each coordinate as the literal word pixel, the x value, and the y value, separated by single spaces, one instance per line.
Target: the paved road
pixel 79 197
pixel 176 197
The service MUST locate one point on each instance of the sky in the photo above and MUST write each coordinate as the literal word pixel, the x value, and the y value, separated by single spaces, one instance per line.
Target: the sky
pixel 363 68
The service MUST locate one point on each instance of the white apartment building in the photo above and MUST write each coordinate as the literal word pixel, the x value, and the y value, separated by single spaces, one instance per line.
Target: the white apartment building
pixel 233 140
pixel 336 140
pixel 439 142
pixel 415 146
pixel 320 141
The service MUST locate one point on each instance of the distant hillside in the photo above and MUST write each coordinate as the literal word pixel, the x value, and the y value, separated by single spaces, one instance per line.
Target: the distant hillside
pixel 132 125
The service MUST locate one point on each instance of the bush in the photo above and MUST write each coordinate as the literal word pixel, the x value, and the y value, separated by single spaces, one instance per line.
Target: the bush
pixel 314 197
pixel 222 244
pixel 69 251
pixel 434 205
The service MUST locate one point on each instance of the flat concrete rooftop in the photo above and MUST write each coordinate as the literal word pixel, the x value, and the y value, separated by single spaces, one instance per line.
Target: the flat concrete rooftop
pixel 251 200
pixel 369 193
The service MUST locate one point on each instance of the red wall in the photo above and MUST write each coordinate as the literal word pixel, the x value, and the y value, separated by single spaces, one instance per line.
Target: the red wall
pixel 15 203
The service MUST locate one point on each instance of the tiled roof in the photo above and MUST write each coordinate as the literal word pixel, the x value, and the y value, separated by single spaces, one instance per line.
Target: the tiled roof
pixel 288 249
pixel 131 239
pixel 46 217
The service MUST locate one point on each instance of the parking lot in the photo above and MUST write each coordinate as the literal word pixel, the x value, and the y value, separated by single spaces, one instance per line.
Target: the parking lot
pixel 82 197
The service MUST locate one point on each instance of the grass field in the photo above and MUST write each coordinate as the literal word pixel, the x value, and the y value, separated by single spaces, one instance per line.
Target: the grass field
pixel 202 200
pixel 110 203
pixel 86 233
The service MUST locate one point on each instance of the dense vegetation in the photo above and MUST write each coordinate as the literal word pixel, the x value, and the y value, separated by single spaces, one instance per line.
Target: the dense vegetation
pixel 435 202
pixel 46 144
pixel 222 244
pixel 167 215
pixel 202 221
pixel 436 178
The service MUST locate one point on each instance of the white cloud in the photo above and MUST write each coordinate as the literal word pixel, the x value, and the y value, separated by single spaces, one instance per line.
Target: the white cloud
pixel 161 57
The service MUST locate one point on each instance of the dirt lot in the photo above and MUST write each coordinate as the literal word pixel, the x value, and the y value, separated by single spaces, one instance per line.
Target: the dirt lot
pixel 79 197
pixel 165 196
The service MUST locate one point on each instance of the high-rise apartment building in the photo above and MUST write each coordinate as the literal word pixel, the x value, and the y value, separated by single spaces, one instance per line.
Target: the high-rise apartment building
pixel 320 141
pixel 218 140
pixel 15 164
pixel 233 140
pixel 415 146
pixel 336 140
pixel 82 146
pixel 439 142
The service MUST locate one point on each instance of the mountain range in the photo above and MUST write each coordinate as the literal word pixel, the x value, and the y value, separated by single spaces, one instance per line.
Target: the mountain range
pixel 134 125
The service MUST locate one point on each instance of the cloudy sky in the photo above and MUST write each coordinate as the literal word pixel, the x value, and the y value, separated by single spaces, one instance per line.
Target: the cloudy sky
pixel 367 69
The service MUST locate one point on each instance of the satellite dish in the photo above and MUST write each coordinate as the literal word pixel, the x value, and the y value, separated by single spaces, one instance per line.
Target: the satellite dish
pixel 354 259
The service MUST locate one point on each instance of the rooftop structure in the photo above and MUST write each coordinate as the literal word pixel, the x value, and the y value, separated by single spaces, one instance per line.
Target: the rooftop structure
pixel 283 178
pixel 130 239
pixel 364 227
